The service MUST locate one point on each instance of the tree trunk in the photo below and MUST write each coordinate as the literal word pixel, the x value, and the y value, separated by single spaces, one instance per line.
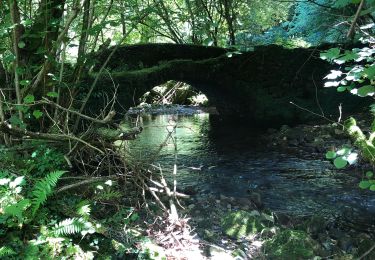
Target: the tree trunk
pixel 83 40
pixel 17 32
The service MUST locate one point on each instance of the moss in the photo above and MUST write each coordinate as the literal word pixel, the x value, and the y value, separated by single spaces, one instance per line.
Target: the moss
pixel 365 145
pixel 290 244
pixel 241 224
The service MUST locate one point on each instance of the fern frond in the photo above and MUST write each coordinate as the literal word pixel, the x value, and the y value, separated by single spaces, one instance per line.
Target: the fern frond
pixel 84 209
pixel 6 251
pixel 69 226
pixel 43 189
pixel 108 195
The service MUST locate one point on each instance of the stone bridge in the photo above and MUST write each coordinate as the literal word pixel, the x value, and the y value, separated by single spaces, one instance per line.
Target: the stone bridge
pixel 257 85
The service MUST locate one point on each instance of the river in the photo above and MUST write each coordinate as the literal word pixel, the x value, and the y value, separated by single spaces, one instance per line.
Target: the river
pixel 228 159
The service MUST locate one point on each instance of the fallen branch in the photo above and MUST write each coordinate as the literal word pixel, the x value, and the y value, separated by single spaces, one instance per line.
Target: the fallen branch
pixel 367 252
pixel 105 120
pixel 111 135
pixel 84 182
pixel 12 130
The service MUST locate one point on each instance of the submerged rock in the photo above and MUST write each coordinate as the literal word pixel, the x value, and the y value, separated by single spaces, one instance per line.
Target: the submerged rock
pixel 315 225
pixel 256 198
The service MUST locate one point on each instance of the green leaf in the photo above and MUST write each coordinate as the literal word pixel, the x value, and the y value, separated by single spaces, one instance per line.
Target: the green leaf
pixel 348 56
pixel 25 82
pixel 27 22
pixel 37 114
pixel 364 184
pixel 330 54
pixel 367 90
pixel 340 163
pixel 330 155
pixel 341 89
pixel 134 217
pixel 15 120
pixel 369 174
pixel 9 58
pixel 370 72
pixel 21 108
pixel 52 94
pixel 372 187
pixel 29 99
pixel 21 44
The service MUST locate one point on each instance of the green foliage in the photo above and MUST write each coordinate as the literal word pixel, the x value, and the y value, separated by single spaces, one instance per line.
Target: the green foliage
pixel 356 74
pixel 44 160
pixel 6 251
pixel 43 189
pixel 342 157
pixel 19 214
pixel 69 226
pixel 290 244
pixel 368 182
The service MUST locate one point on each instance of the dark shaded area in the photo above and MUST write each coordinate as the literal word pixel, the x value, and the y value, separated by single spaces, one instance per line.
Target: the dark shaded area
pixel 257 85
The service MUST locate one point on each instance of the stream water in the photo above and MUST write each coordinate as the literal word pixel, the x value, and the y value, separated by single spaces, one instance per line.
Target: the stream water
pixel 227 159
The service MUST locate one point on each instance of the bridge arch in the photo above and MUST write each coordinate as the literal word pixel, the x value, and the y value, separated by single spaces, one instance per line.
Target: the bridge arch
pixel 257 85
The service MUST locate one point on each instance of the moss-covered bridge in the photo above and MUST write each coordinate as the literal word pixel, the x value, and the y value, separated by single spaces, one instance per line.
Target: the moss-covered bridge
pixel 258 85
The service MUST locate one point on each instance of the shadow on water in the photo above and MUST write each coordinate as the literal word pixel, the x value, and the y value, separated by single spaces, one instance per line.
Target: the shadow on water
pixel 229 160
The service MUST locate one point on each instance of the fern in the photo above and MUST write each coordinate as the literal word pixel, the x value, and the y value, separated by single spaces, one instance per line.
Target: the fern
pixel 17 209
pixel 84 209
pixel 108 195
pixel 69 226
pixel 6 251
pixel 43 189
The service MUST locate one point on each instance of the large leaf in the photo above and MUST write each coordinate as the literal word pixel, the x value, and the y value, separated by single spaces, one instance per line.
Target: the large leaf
pixel 29 99
pixel 21 44
pixel 334 74
pixel 330 155
pixel 340 163
pixel 364 184
pixel 330 54
pixel 369 174
pixel 370 72
pixel 365 91
pixel 37 114
pixel 52 94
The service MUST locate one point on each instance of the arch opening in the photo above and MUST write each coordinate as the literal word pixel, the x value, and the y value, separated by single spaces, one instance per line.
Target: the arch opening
pixel 174 97
pixel 174 93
